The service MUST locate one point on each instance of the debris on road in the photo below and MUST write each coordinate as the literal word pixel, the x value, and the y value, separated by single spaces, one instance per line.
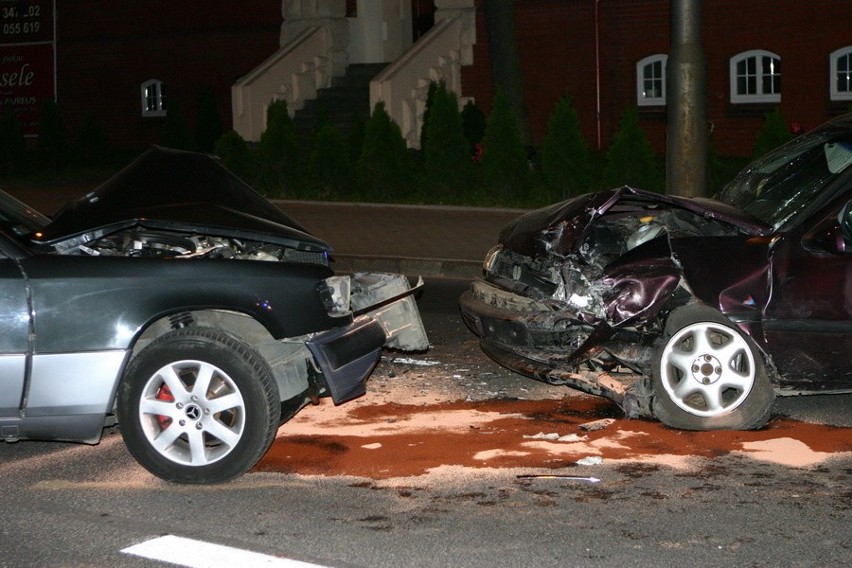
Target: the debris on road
pixel 558 476
pixel 553 436
pixel 597 424
pixel 590 460
pixel 418 362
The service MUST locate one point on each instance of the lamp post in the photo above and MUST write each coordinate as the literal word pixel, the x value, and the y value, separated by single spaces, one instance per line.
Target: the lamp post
pixel 687 135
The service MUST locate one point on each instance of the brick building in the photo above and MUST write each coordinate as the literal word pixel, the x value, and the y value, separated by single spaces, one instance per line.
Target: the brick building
pixel 812 41
pixel 120 62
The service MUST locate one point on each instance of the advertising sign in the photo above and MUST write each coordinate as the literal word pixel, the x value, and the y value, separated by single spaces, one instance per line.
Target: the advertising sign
pixel 27 59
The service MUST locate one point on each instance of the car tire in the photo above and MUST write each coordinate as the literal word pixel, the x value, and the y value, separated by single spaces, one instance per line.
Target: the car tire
pixel 708 375
pixel 188 431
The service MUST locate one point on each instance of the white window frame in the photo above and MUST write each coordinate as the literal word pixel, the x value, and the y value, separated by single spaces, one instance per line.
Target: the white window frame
pixel 159 106
pixel 642 97
pixel 838 56
pixel 760 95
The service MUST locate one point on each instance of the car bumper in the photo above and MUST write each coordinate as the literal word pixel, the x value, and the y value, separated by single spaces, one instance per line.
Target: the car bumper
pixel 547 346
pixel 346 356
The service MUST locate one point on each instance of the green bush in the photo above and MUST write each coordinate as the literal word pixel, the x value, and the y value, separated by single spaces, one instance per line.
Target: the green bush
pixel 384 169
pixel 630 159
pixel 13 149
pixel 329 166
pixel 91 147
pixel 175 130
pixel 52 145
pixel 473 125
pixel 564 160
pixel 447 165
pixel 280 167
pixel 504 167
pixel 235 155
pixel 208 127
pixel 773 133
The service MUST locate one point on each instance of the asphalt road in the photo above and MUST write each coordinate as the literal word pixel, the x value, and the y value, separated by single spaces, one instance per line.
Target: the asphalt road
pixel 74 505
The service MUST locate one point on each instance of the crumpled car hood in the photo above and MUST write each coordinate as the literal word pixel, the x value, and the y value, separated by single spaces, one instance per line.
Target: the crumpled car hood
pixel 182 191
pixel 569 221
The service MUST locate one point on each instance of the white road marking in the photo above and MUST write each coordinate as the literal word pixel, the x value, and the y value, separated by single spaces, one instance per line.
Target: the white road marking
pixel 199 554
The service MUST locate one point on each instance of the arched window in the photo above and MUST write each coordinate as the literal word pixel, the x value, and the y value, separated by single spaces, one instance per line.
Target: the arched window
pixel 756 77
pixel 651 80
pixel 841 74
pixel 153 98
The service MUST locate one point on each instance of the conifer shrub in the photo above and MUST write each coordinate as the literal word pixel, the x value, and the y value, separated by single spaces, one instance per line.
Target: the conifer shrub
pixel 447 165
pixel 427 110
pixel 236 156
pixel 13 149
pixel 330 169
pixel 504 168
pixel 355 143
pixel 773 133
pixel 384 170
pixel 564 160
pixel 208 127
pixel 630 159
pixel 91 147
pixel 280 162
pixel 176 133
pixel 52 148
pixel 473 126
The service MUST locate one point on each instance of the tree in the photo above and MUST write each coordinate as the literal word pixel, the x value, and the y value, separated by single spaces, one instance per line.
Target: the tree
pixel 504 55
pixel 330 168
pixel 473 124
pixel 446 152
pixel 235 154
pixel 630 159
pixel 92 148
pixel 208 127
pixel 175 130
pixel 384 168
pixel 52 144
pixel 564 161
pixel 280 159
pixel 13 149
pixel 773 133
pixel 504 166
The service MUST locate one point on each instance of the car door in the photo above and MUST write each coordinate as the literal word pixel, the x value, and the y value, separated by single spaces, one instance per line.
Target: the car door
pixel 808 321
pixel 14 337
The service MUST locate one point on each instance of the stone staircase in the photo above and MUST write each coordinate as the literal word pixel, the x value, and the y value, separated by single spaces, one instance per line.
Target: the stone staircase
pixel 348 95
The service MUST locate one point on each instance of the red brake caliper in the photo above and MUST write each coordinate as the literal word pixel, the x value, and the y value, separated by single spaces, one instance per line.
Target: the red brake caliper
pixel 164 394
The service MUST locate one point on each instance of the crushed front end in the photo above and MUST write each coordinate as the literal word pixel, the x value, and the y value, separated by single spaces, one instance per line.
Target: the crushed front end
pixel 575 294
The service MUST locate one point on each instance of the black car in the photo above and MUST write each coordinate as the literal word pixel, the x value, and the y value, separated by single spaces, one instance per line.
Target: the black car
pixel 180 303
pixel 722 302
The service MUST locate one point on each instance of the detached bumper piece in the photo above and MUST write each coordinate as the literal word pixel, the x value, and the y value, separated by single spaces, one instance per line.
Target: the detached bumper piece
pixel 346 356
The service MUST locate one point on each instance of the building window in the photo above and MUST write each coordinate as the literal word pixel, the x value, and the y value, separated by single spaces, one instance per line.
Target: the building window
pixel 841 74
pixel 756 77
pixel 651 80
pixel 153 98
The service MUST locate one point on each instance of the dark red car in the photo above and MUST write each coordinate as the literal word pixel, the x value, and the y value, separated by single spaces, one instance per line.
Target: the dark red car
pixel 695 311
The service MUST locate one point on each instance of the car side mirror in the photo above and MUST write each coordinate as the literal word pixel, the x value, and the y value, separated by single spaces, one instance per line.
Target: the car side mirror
pixel 844 218
pixel 830 236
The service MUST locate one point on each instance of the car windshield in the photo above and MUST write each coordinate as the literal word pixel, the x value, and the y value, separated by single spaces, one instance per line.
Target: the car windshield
pixel 19 219
pixel 780 184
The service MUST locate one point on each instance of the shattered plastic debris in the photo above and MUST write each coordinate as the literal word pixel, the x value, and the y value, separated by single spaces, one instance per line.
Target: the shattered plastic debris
pixel 543 436
pixel 419 362
pixel 597 424
pixel 558 476
pixel 556 437
pixel 590 460
pixel 572 438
